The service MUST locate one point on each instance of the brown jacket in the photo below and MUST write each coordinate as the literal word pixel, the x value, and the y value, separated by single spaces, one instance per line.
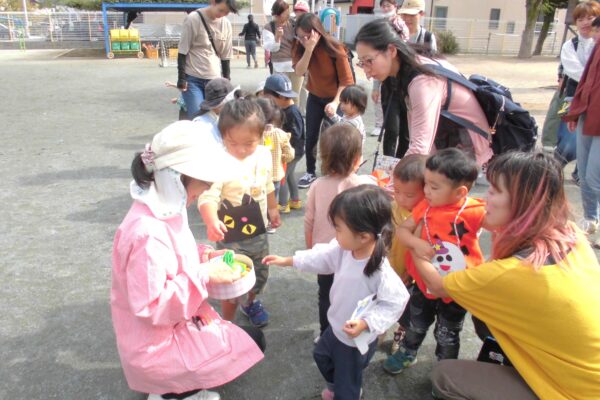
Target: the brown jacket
pixel 587 97
pixel 326 74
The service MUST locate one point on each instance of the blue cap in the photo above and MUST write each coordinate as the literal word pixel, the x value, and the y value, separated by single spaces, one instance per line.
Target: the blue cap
pixel 281 85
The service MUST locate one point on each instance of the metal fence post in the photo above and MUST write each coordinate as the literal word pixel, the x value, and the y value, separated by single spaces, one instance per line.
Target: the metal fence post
pixel 89 26
pixel 487 48
pixel 469 36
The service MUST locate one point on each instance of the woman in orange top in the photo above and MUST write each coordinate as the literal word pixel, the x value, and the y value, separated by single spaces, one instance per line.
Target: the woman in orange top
pixel 325 61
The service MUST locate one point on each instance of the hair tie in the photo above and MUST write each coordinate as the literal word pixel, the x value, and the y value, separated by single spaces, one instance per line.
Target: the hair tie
pixel 379 235
pixel 148 158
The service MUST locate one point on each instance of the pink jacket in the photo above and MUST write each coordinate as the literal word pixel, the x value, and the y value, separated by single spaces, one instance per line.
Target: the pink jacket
pixel 427 95
pixel 158 285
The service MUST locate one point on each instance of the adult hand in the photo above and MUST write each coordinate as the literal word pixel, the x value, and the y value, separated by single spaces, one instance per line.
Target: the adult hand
pixel 354 327
pixel 216 231
pixel 277 260
pixel 572 126
pixel 312 41
pixel 375 96
pixel 278 34
pixel 331 108
pixel 423 250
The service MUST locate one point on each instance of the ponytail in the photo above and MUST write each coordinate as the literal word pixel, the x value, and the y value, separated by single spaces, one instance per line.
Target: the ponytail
pixel 141 176
pixel 383 240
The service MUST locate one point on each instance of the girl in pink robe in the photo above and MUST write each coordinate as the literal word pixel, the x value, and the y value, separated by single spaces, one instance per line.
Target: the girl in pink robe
pixel 170 340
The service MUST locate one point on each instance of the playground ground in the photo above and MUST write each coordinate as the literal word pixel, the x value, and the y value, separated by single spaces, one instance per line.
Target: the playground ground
pixel 71 128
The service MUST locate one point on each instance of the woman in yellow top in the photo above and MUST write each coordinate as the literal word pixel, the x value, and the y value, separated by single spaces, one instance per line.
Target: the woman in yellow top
pixel 538 296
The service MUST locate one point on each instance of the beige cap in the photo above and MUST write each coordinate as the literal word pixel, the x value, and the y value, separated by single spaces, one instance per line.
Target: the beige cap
pixel 412 7
pixel 183 147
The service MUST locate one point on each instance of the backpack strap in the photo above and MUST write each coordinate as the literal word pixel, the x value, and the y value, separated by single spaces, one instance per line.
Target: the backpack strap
pixel 209 33
pixel 575 42
pixel 458 78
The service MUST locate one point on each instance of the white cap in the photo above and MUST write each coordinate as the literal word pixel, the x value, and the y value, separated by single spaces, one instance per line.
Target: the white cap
pixel 182 147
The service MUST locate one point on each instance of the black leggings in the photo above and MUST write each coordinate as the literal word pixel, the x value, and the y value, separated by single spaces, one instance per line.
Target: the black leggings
pixel 256 334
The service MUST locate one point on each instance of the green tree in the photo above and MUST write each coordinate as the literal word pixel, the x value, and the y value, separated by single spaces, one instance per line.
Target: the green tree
pixel 549 10
pixel 532 10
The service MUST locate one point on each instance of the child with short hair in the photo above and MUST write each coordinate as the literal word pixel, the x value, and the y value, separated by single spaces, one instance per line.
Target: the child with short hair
pixel 363 227
pixel 450 221
pixel 353 104
pixel 242 123
pixel 278 87
pixel 340 149
pixel 408 185
pixel 277 141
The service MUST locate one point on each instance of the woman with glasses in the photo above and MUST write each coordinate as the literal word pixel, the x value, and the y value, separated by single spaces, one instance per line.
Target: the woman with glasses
pixel 422 93
pixel 326 63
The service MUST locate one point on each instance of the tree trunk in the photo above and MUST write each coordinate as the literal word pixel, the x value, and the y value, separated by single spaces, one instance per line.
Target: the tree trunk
pixel 548 20
pixel 533 9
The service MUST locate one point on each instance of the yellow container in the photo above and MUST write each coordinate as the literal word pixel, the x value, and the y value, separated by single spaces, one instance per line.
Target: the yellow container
pixel 173 53
pixel 134 34
pixel 123 34
pixel 114 34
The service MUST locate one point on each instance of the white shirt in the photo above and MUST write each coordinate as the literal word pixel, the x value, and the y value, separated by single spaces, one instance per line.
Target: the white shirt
pixel 574 61
pixel 352 285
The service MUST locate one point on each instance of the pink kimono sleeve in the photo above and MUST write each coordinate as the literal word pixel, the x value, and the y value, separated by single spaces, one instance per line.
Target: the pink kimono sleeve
pixel 426 95
pixel 160 289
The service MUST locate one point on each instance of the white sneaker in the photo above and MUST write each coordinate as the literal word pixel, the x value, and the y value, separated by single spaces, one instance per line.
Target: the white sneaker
pixel 375 131
pixel 588 226
pixel 201 395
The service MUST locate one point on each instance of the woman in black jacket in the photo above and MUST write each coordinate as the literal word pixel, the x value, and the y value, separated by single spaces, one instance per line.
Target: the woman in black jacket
pixel 251 33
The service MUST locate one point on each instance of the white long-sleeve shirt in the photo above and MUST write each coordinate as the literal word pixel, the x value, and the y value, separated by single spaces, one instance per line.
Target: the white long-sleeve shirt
pixel 351 285
pixel 574 61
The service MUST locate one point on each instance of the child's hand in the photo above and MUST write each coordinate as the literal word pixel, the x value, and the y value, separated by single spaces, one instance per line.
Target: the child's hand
pixel 422 249
pixel 277 260
pixel 274 217
pixel 216 253
pixel 216 231
pixel 354 327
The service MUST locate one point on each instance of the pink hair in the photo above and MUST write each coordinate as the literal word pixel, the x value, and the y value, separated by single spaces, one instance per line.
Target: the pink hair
pixel 539 211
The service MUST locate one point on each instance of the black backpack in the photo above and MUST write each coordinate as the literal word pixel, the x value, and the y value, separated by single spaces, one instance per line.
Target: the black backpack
pixel 512 127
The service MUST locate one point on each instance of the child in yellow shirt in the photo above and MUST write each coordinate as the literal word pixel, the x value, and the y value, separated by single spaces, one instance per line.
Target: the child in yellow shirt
pixel 408 192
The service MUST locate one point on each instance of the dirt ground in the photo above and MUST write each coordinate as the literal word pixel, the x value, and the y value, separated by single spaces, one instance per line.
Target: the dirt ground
pixel 72 126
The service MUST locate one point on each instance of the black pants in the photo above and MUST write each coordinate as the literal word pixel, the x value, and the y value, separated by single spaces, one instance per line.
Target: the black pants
pixel 448 317
pixel 255 333
pixel 315 111
pixel 396 136
pixel 325 282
